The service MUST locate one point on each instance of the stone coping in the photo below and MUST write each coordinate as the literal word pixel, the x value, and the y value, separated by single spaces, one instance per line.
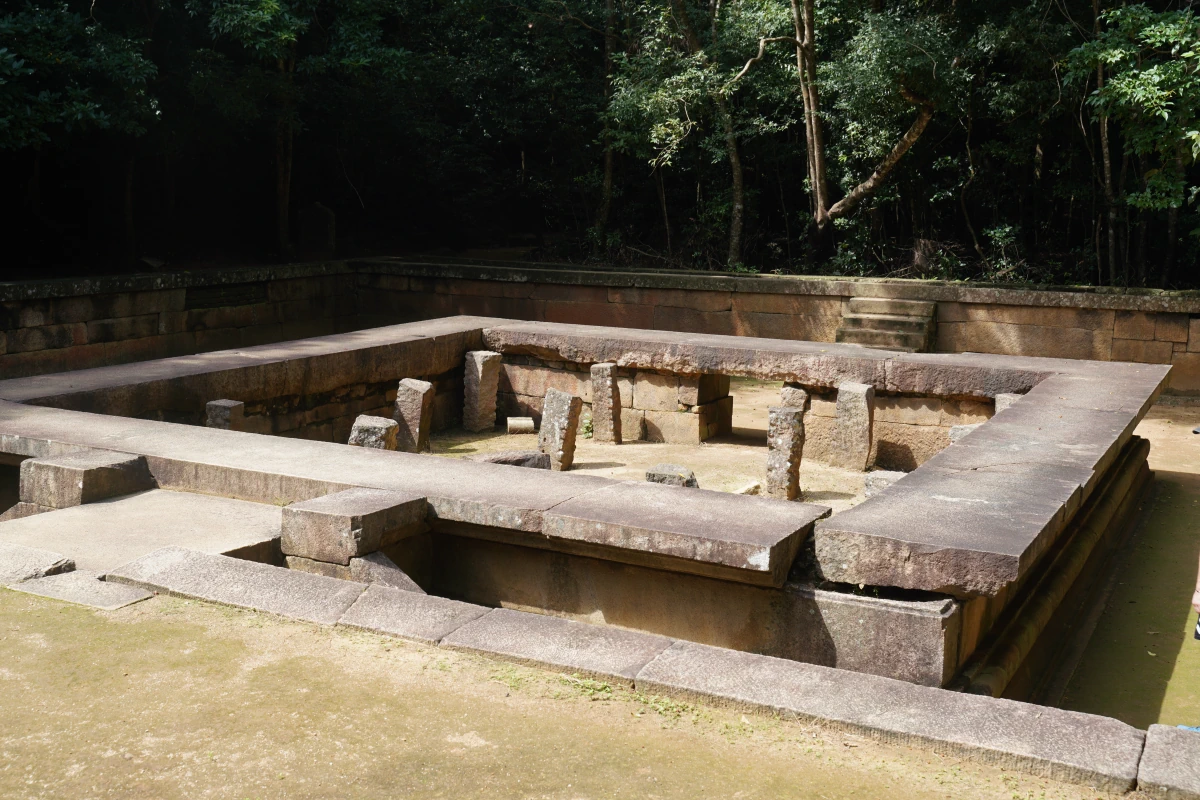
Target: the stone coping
pixel 1064 745
pixel 1116 298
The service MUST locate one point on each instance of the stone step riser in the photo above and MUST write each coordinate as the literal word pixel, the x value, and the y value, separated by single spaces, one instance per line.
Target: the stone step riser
pixel 887 322
pixel 881 305
pixel 892 340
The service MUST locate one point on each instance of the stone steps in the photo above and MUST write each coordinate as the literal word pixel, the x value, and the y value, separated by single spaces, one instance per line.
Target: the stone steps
pixel 886 324
pixel 899 341
pixel 884 305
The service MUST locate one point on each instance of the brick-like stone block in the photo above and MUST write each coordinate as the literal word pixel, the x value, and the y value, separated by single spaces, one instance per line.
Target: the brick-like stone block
pixel 414 415
pixel 696 390
pixel 633 425
pixel 794 395
pixel 1133 325
pixel 1185 372
pixel 227 415
pixel 1141 351
pixel 855 422
pixel 1170 765
pixel 675 427
pixel 606 404
pixel 77 478
pixel 352 523
pixel 560 426
pixel 672 475
pixel 1171 327
pixel 1193 343
pixel 785 449
pixel 377 433
pixel 481 379
pixel 655 392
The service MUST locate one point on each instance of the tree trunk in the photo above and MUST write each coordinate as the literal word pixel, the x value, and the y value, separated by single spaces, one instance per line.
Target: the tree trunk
pixel 737 183
pixel 662 201
pixel 610 45
pixel 1110 201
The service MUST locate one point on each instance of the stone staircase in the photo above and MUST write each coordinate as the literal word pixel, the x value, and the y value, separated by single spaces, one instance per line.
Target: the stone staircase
pixel 905 325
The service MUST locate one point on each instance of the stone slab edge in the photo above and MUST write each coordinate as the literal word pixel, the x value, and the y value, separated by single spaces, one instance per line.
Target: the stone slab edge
pixel 1170 767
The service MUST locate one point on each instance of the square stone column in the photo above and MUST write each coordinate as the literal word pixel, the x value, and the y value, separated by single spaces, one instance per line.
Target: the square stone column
pixel 414 415
pixel 560 425
pixel 855 417
pixel 228 415
pixel 795 396
pixel 606 404
pixel 377 433
pixel 785 449
pixel 481 378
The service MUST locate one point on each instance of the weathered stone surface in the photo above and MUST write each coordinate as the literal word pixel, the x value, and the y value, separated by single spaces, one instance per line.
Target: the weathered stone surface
pixel 794 396
pixel 1170 767
pixel 84 477
pixel 1005 400
pixel 959 432
pixel 785 449
pixel 653 391
pixel 560 425
pixel 709 533
pixel 378 433
pixel 379 569
pixel 521 425
pixel 21 510
pixel 533 459
pixel 414 414
pixel 244 584
pixel 84 588
pixel 633 425
pixel 481 378
pixel 1062 745
pixel 229 415
pixel 21 563
pixel 606 404
pixel 878 480
pixel 855 422
pixel 672 475
pixel 560 644
pixel 350 523
pixel 409 615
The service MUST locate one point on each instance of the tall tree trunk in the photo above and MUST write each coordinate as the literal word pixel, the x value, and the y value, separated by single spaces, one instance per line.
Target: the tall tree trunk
pixel 1110 200
pixel 610 46
pixel 804 24
pixel 662 201
pixel 737 183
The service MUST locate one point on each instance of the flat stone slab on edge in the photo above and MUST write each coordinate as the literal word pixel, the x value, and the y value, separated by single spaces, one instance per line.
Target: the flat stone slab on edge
pixel 1170 767
pixel 409 615
pixel 1062 745
pixel 244 584
pixel 543 641
pixel 83 587
pixel 20 563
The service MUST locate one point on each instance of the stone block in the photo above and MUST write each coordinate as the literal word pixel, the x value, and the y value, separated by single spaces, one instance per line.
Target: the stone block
pixel 350 523
pixel 229 415
pixel 521 425
pixel 376 568
pixel 878 480
pixel 655 392
pixel 1133 325
pixel 672 475
pixel 84 477
pixel 409 615
pixel 414 415
pixel 1171 327
pixel 533 380
pixel 909 410
pixel 633 425
pixel 1170 766
pixel 1193 343
pixel 560 426
pixel 855 420
pixel 481 379
pixel 785 449
pixel 959 432
pixel 19 563
pixel 532 459
pixel 377 433
pixel 1006 399
pixel 242 584
pixel 674 427
pixel 795 396
pixel 696 390
pixel 563 645
pixel 606 404
pixel 84 588
pixel 1062 745
pixel 1185 372
pixel 1142 352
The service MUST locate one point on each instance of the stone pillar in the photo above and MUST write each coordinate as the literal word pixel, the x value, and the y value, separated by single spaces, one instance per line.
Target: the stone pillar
pixel 1004 400
pixel 481 378
pixel 560 424
pixel 855 421
pixel 606 404
pixel 377 433
pixel 414 415
pixel 785 448
pixel 795 396
pixel 229 415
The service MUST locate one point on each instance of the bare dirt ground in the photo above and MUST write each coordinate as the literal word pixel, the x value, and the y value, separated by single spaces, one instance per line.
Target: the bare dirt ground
pixel 725 464
pixel 173 699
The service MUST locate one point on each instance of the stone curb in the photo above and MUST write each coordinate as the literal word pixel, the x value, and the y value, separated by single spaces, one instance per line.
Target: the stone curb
pixel 85 588
pixel 409 615
pixel 1170 768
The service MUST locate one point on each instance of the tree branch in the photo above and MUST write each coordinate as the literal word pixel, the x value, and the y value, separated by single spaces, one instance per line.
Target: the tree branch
pixel 762 50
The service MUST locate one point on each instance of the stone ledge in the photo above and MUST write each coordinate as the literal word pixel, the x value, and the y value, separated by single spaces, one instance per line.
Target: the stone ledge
pixel 84 588
pixel 1062 745
pixel 409 615
pixel 1170 768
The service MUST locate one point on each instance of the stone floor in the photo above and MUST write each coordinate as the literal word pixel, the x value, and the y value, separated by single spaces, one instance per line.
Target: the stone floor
pixel 726 464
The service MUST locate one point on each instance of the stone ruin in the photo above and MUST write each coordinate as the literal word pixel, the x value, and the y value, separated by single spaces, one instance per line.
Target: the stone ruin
pixel 962 568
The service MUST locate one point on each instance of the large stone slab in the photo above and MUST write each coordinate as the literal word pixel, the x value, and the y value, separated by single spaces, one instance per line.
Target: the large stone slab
pixel 530 459
pixel 737 537
pixel 1170 768
pixel 409 615
pixel 341 526
pixel 83 477
pixel 377 568
pixel 574 647
pixel 21 563
pixel 243 584
pixel 1062 745
pixel 83 587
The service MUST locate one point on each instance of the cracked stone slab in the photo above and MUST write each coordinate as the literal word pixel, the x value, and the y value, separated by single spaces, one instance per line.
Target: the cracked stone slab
pixel 83 587
pixel 409 615
pixel 21 563
pixel 542 641
pixel 1170 768
pixel 1062 745
pixel 243 584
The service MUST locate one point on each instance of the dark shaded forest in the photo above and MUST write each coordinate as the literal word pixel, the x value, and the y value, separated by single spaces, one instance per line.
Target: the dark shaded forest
pixel 1030 141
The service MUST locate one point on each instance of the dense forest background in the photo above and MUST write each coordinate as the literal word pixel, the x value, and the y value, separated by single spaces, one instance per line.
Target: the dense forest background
pixel 1050 141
